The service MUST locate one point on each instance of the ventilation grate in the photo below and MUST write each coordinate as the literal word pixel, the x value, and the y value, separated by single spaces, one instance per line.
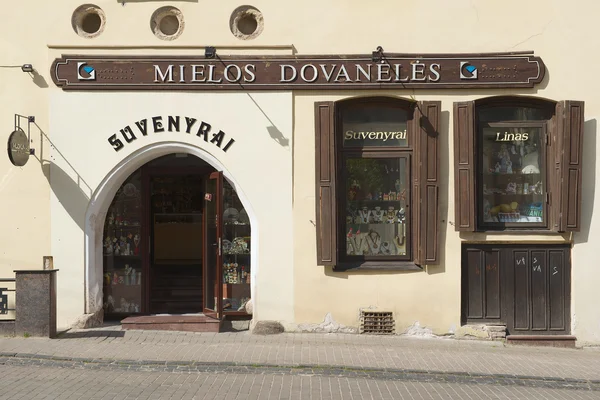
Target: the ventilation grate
pixel 377 322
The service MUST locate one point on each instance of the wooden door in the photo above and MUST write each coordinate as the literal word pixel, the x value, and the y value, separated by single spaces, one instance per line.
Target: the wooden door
pixel 213 258
pixel 526 287
pixel 539 279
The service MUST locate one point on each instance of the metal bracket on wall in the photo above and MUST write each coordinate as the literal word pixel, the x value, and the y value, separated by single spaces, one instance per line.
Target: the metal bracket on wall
pixel 30 120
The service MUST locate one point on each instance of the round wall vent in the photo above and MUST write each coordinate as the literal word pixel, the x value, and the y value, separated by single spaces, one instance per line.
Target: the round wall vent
pixel 167 23
pixel 88 21
pixel 246 22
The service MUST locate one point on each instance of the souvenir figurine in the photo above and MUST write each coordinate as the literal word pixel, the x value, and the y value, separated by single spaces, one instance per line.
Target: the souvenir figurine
pixel 391 215
pixel 353 190
pixel 386 197
pixel 115 278
pixel 511 188
pixel 486 210
pixel 397 185
pixel 369 196
pixel 519 188
pixel 497 168
pixel 111 302
pixel 509 167
pixel 108 247
pixel 136 244
pixel 123 245
pixel 392 196
pixel 124 305
pixel 401 215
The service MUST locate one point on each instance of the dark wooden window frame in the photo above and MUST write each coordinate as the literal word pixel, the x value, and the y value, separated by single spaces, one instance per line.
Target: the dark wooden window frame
pixel 563 168
pixel 380 262
pixel 423 121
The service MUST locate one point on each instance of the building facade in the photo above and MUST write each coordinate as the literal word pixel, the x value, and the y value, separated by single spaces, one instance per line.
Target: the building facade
pixel 334 160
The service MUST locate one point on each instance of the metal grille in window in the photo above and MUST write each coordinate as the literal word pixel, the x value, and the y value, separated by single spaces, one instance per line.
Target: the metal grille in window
pixel 377 322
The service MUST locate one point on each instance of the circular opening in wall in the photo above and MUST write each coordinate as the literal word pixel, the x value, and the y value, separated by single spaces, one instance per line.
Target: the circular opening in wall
pixel 246 22
pixel 88 20
pixel 167 23
pixel 91 23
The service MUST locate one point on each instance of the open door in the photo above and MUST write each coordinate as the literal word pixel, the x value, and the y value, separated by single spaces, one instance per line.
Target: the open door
pixel 213 258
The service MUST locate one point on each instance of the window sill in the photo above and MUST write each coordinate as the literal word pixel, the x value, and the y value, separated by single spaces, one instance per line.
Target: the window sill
pixel 536 231
pixel 377 266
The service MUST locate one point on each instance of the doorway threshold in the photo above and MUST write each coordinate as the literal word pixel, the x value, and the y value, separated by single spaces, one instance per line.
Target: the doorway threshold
pixel 172 322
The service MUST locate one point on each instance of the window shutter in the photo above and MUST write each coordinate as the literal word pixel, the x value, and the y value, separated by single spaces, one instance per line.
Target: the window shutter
pixel 427 145
pixel 570 148
pixel 325 167
pixel 464 167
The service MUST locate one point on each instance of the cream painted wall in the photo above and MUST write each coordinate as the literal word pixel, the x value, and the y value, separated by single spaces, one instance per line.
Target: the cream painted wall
pixel 24 191
pixel 562 33
pixel 259 163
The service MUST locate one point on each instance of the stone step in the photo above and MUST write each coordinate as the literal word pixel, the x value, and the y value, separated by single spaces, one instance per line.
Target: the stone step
pixel 186 323
pixel 542 340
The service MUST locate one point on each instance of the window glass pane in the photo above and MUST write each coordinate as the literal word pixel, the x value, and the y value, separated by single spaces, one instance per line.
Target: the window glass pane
pixel 381 126
pixel 513 189
pixel 513 114
pixel 236 252
pixel 122 255
pixel 377 195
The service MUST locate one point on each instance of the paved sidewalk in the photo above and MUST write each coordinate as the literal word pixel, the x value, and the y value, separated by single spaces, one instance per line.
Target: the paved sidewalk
pixel 363 353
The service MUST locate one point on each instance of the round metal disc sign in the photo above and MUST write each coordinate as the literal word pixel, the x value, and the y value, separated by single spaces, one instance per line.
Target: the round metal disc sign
pixel 18 148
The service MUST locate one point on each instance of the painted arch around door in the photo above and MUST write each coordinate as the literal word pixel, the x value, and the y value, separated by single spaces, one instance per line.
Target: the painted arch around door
pixel 98 213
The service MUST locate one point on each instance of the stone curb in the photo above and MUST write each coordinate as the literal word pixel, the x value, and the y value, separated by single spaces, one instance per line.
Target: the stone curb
pixel 26 359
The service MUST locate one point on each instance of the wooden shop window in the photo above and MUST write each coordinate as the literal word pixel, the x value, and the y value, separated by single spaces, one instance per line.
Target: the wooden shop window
pixel 517 164
pixel 377 173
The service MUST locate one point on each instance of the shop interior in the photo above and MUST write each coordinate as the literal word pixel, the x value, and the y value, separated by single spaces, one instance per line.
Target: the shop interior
pixel 176 239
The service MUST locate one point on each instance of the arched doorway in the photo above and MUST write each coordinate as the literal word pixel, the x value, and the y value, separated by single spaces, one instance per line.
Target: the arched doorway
pixel 159 253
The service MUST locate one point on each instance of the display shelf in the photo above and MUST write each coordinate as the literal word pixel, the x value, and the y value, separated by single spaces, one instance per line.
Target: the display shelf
pixel 513 194
pixel 115 226
pixel 127 257
pixel 511 174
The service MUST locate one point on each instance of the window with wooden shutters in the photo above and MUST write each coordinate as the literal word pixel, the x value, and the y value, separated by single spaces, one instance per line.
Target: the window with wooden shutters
pixel 377 166
pixel 517 164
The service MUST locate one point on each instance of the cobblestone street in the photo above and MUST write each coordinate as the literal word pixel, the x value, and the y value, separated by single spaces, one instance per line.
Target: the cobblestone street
pixel 109 363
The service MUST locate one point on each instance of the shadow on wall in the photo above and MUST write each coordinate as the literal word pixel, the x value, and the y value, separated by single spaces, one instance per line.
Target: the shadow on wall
pixel 588 180
pixel 70 193
pixel 274 132
pixel 443 193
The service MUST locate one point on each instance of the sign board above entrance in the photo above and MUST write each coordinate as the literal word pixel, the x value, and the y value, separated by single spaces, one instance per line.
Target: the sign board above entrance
pixel 396 71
